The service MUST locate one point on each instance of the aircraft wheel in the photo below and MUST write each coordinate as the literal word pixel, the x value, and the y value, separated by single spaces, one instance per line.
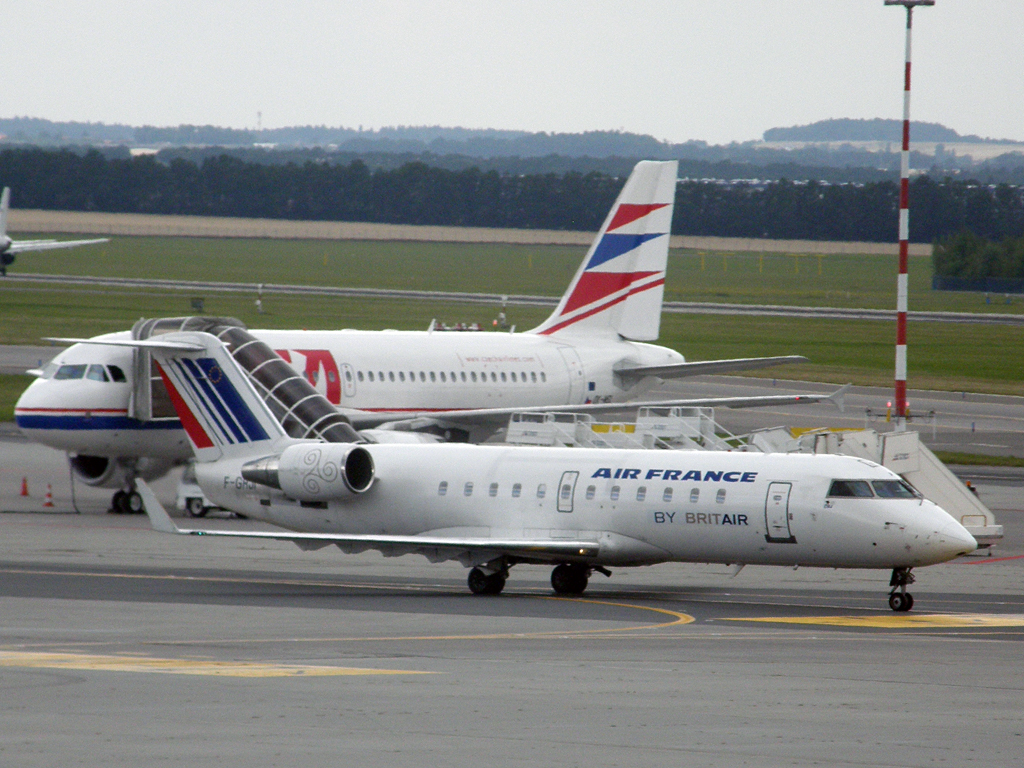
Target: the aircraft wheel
pixel 901 602
pixel 133 503
pixel 117 503
pixel 195 508
pixel 481 583
pixel 569 579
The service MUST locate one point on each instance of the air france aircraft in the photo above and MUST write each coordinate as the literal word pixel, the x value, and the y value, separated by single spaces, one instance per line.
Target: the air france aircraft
pixel 100 401
pixel 9 248
pixel 492 507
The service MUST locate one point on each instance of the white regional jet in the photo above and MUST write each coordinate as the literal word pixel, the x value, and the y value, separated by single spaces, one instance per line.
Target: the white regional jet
pixel 491 507
pixel 101 401
pixel 9 248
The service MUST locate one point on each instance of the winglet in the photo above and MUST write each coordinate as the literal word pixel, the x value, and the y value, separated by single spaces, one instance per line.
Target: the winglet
pixel 837 397
pixel 155 511
pixel 5 203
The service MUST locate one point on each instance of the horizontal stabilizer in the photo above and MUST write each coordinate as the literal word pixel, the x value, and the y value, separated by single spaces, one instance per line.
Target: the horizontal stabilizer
pixel 25 246
pixel 702 367
pixel 169 346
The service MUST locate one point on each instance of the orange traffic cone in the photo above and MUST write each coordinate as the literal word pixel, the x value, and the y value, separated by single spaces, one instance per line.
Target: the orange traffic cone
pixel 49 497
pixel 24 486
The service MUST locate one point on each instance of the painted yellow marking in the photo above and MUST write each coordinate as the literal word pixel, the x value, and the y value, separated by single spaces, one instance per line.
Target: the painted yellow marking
pixel 80 661
pixel 903 620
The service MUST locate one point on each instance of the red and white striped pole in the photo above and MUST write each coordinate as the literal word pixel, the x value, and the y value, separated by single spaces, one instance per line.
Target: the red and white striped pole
pixel 904 230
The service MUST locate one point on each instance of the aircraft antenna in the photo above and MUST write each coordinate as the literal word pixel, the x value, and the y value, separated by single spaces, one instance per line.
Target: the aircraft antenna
pixel 904 230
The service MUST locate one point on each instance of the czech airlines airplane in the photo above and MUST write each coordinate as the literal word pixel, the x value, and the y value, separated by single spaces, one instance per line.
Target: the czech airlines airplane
pixel 492 507
pixel 9 248
pixel 102 401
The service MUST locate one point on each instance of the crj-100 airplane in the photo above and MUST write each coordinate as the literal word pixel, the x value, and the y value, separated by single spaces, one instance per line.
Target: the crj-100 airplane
pixel 101 401
pixel 492 507
pixel 9 248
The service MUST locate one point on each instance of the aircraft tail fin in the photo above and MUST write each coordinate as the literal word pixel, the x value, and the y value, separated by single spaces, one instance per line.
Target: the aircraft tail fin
pixel 219 409
pixel 620 284
pixel 5 204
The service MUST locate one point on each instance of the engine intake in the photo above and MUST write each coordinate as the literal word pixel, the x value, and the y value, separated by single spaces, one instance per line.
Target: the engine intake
pixel 315 472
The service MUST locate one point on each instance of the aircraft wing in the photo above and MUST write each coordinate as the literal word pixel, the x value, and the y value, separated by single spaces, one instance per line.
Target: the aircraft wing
pixel 23 246
pixel 702 367
pixel 547 550
pixel 481 416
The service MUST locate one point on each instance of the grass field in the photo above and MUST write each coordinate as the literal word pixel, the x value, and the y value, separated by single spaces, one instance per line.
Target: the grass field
pixel 942 355
pixel 834 280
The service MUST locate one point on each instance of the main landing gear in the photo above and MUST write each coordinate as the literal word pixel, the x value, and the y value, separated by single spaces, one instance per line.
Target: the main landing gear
pixel 126 503
pixel 901 601
pixel 566 579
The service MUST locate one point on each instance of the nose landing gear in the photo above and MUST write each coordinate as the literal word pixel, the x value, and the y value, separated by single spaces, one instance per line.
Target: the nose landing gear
pixel 901 601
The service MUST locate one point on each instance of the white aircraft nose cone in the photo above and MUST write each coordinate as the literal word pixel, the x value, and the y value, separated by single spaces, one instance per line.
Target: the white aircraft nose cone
pixel 956 540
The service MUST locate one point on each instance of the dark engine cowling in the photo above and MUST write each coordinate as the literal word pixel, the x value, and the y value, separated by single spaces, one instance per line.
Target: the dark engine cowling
pixel 315 471
pixel 113 472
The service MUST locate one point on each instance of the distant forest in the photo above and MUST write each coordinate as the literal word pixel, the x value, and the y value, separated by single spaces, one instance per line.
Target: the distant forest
pixel 846 129
pixel 517 152
pixel 416 193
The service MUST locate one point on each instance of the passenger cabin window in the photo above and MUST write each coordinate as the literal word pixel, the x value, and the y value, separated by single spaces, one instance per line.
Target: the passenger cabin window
pixel 370 375
pixel 116 374
pixel 463 376
pixel 503 377
pixel 472 375
pixel 494 377
pixel 358 376
pixel 513 377
pixel 641 493
pixel 433 377
pixel 423 376
pixel 391 375
pixel 893 489
pixel 70 372
pixel 96 373
pixel 591 490
pixel 720 496
pixel 331 377
pixel 401 375
pixel 695 495
pixel 442 489
pixel 493 490
pixel 850 489
pixel 542 490
pixel 533 376
pixel 667 495
pixel 615 493
pixel 468 490
pixel 543 377
pixel 516 490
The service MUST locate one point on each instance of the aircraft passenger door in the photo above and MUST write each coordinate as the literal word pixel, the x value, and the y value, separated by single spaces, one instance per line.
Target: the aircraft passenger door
pixel 776 514
pixel 567 490
pixel 348 380
pixel 577 386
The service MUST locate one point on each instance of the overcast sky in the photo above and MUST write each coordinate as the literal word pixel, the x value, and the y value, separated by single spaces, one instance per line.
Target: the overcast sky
pixel 675 69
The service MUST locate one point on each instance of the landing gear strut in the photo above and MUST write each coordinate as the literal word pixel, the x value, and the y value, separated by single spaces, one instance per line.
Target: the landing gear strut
pixel 483 583
pixel 901 601
pixel 570 578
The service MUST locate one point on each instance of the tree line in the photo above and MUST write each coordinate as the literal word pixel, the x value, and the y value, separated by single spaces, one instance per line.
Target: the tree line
pixel 966 255
pixel 417 193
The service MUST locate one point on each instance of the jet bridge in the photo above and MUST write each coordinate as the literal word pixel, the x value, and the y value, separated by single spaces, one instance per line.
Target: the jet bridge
pixel 302 411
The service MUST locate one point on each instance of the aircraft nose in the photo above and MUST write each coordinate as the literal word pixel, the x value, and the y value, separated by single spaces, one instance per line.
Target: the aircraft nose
pixel 953 539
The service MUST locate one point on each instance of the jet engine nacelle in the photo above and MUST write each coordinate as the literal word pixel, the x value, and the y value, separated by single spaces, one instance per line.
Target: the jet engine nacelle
pixel 315 472
pixel 113 472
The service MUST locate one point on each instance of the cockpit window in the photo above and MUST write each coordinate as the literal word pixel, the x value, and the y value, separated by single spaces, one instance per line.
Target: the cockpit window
pixel 116 374
pixel 96 373
pixel 850 488
pixel 70 372
pixel 49 370
pixel 893 489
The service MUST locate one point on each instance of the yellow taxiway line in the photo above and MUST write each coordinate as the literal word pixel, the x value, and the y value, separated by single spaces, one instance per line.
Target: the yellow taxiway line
pixel 902 620
pixel 79 661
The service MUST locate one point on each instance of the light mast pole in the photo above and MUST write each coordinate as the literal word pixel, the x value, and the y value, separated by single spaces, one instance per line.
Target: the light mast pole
pixel 904 230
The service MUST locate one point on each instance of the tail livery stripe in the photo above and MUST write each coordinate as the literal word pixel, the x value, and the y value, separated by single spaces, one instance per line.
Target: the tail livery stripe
pixel 595 286
pixel 613 246
pixel 198 397
pixel 218 390
pixel 193 428
pixel 630 212
pixel 237 407
pixel 603 307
